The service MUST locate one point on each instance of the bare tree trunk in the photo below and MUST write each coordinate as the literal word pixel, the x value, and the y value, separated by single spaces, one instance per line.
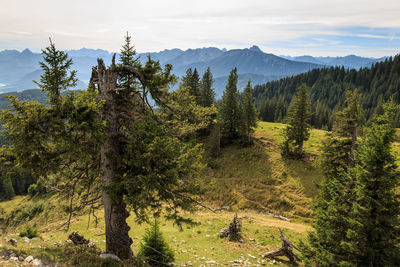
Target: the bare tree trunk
pixel 301 148
pixel 118 241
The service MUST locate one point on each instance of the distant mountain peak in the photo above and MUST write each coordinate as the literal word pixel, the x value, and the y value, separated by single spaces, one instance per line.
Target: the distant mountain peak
pixel 26 51
pixel 255 48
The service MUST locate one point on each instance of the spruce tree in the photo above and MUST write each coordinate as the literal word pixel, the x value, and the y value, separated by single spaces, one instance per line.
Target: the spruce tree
pixel 128 57
pixel 155 249
pixel 192 80
pixel 298 129
pixel 55 75
pixel 249 111
pixel 229 110
pixel 207 94
pixel 373 236
pixel 335 197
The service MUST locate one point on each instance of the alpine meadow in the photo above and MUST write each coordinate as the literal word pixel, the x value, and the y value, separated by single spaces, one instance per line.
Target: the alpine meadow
pixel 184 133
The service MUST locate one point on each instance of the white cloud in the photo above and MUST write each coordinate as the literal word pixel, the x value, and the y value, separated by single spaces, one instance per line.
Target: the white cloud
pixel 157 25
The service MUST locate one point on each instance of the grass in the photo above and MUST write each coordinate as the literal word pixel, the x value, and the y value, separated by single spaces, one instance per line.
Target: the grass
pixel 250 180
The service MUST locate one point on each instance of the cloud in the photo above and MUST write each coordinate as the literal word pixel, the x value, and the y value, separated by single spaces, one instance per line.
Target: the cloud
pixel 297 26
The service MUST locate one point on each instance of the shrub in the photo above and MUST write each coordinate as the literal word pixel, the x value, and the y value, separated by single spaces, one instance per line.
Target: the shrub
pixel 155 249
pixel 29 232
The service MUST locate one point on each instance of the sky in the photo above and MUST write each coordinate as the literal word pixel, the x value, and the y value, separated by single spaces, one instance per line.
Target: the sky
pixel 283 27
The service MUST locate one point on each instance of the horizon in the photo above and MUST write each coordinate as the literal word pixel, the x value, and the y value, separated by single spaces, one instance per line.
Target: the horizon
pixel 288 27
pixel 266 52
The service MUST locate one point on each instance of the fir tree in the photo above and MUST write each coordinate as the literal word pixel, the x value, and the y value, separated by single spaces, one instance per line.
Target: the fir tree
pixel 373 236
pixel 336 195
pixel 55 75
pixel 207 94
pixel 249 112
pixel 298 129
pixel 192 80
pixel 155 249
pixel 229 111
pixel 127 57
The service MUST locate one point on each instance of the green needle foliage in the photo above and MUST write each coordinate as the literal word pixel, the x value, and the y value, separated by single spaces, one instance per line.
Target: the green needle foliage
pixel 155 249
pixel 373 236
pixel 298 129
pixel 229 109
pixel 336 194
pixel 207 94
pixel 249 111
pixel 55 77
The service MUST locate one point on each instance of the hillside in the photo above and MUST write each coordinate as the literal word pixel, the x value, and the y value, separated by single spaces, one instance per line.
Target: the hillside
pixel 253 181
pixel 327 91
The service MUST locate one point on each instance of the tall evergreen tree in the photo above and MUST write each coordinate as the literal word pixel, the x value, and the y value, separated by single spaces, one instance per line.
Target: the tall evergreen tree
pixel 249 112
pixel 55 75
pixel 373 237
pixel 298 129
pixel 336 195
pixel 207 94
pixel 108 149
pixel 128 58
pixel 192 80
pixel 229 110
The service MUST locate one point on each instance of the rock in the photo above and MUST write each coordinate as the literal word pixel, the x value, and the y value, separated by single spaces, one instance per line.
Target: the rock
pixel 29 259
pixel 69 242
pixel 20 258
pixel 37 262
pixel 26 240
pixel 92 245
pixel 109 256
pixel 203 258
pixel 78 239
pixel 13 259
pixel 252 239
pixel 11 241
pixel 224 232
pixel 211 262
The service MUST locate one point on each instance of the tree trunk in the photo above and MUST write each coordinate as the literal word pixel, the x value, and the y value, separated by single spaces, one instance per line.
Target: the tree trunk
pixel 118 241
pixel 301 148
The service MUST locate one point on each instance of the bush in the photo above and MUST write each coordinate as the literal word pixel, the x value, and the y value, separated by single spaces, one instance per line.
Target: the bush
pixel 38 189
pixel 24 213
pixel 155 249
pixel 29 232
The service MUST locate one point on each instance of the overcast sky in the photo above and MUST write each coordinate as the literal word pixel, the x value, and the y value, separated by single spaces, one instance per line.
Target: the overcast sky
pixel 283 27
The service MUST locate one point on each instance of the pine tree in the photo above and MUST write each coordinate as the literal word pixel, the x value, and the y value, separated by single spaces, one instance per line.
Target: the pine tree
pixel 155 249
pixel 249 112
pixel 336 195
pixel 373 236
pixel 104 148
pixel 298 129
pixel 192 80
pixel 229 111
pixel 207 94
pixel 56 77
pixel 127 58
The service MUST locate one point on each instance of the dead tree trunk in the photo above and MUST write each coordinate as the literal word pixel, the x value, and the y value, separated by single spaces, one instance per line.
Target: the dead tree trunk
pixel 118 241
pixel 285 250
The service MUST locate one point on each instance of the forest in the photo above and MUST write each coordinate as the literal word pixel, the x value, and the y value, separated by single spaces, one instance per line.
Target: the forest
pixel 128 151
pixel 327 90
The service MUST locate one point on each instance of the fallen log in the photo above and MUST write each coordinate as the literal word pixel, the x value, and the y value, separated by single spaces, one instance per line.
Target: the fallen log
pixel 285 250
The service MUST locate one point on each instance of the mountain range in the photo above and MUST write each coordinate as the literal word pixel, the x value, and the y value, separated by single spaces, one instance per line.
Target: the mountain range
pixel 18 69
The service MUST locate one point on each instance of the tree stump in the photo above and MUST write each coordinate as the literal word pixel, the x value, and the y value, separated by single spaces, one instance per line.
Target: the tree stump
pixel 78 239
pixel 233 232
pixel 285 250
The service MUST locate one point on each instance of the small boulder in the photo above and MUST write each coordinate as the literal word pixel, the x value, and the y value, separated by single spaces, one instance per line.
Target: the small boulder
pixel 26 240
pixel 20 258
pixel 37 262
pixel 11 241
pixel 109 256
pixel 13 259
pixel 29 259
pixel 224 232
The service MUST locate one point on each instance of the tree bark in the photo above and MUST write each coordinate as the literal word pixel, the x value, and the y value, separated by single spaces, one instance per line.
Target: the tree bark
pixel 118 241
